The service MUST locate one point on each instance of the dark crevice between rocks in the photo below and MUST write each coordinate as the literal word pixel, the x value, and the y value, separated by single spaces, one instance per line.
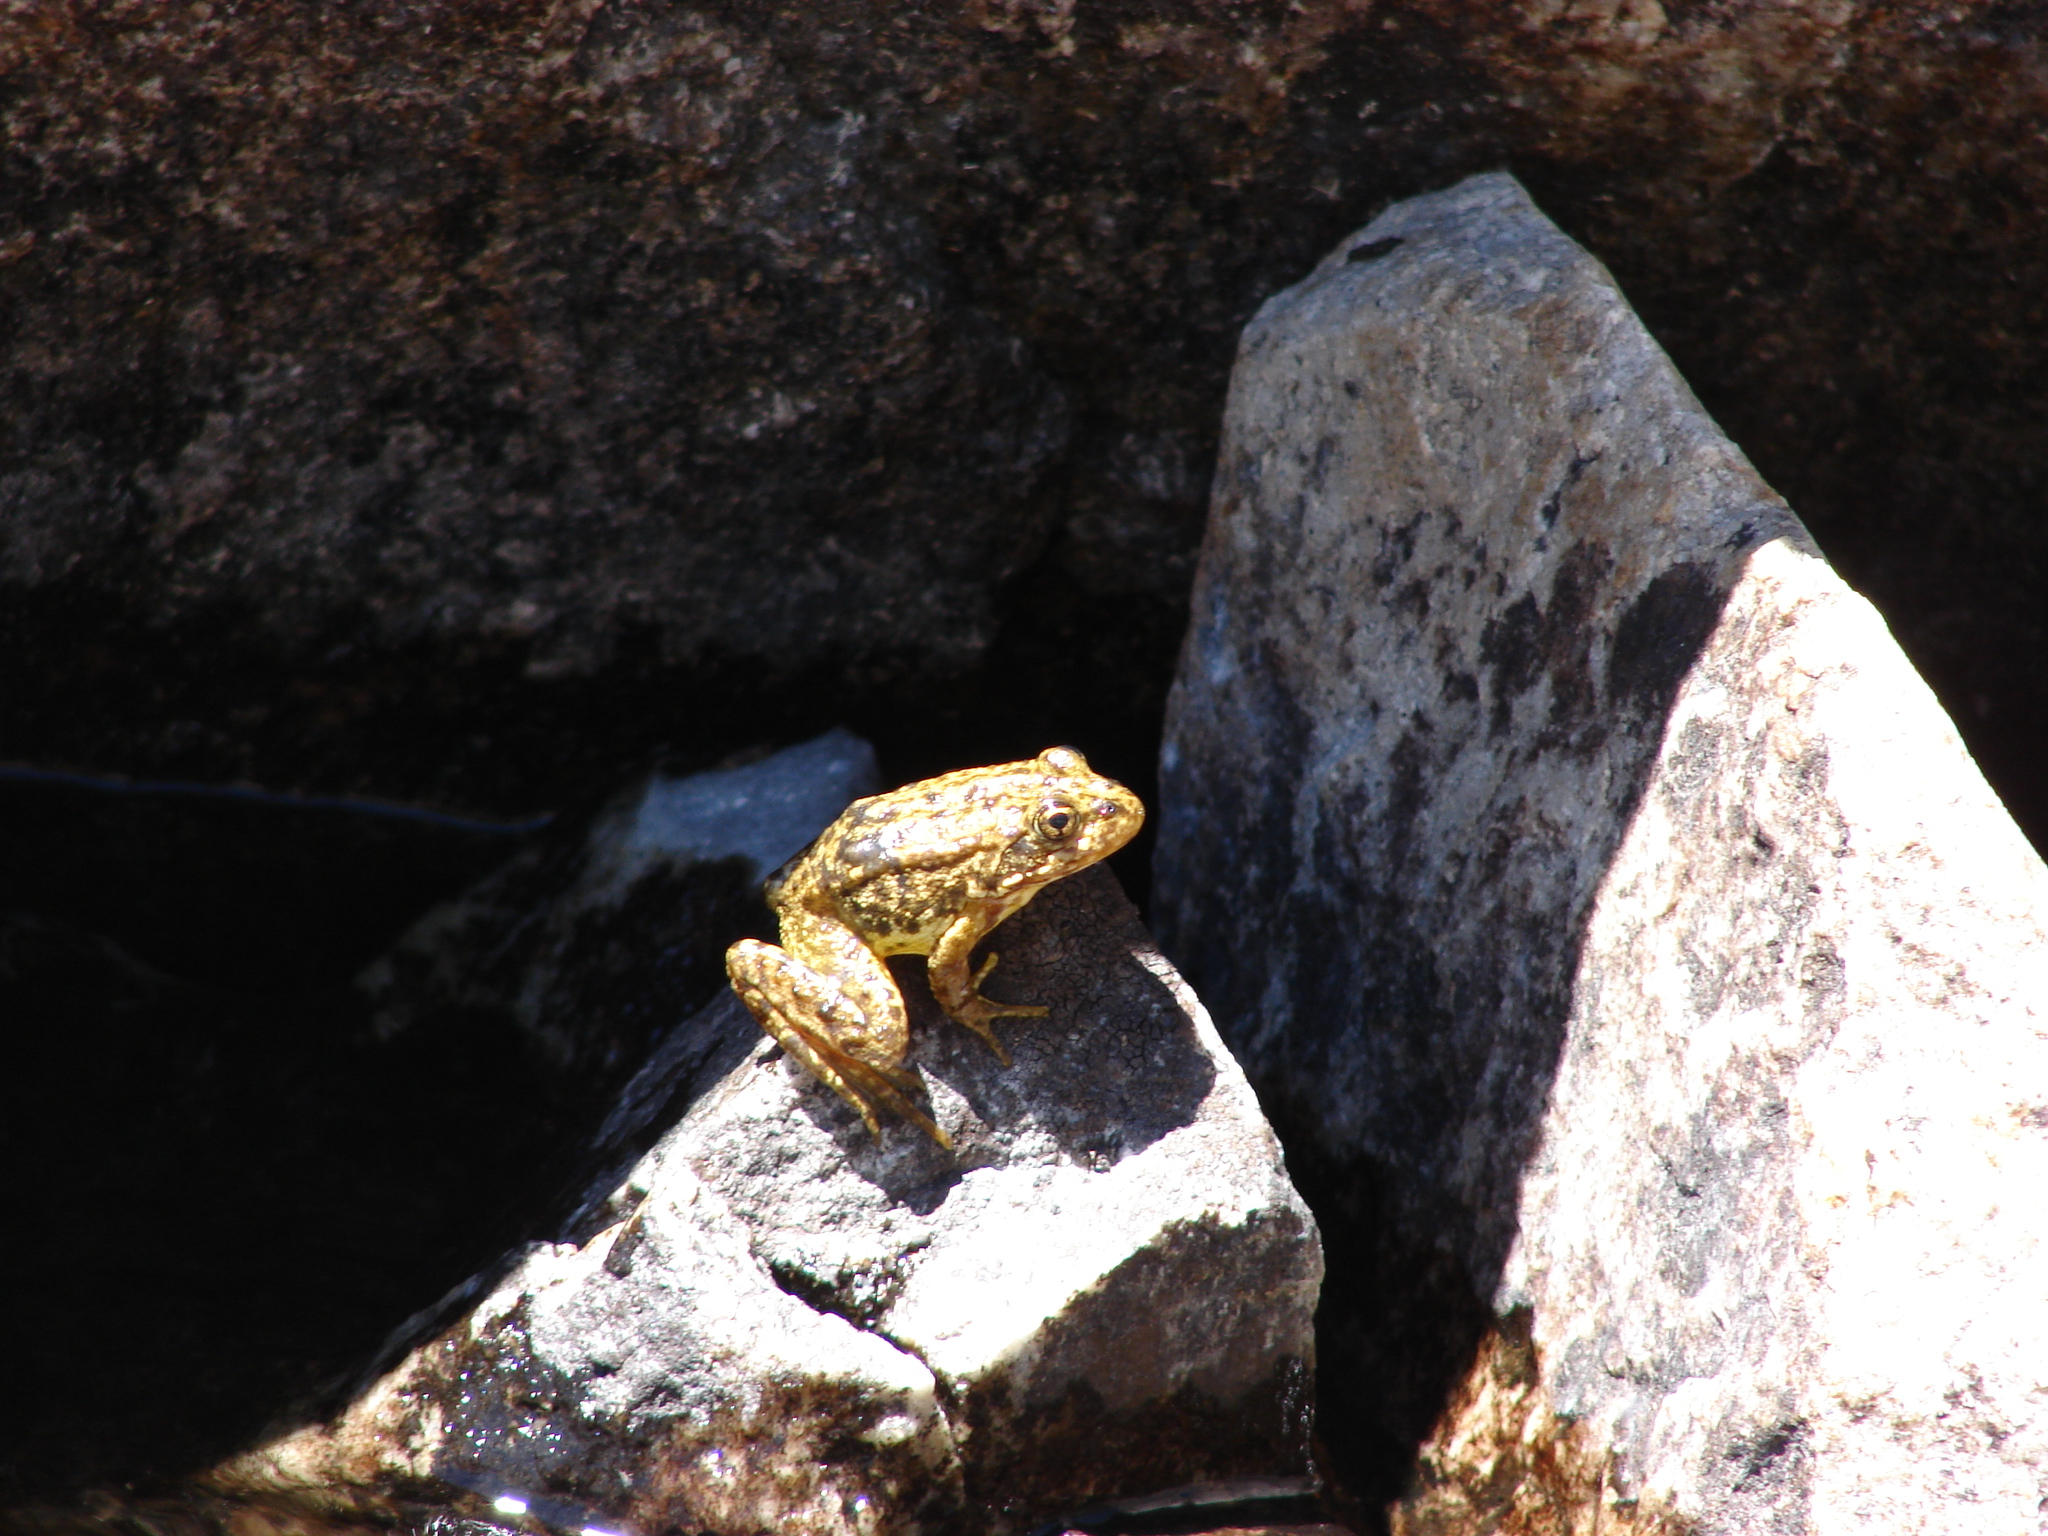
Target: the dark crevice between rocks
pixel 232 886
pixel 1398 1326
pixel 227 1202
pixel 460 725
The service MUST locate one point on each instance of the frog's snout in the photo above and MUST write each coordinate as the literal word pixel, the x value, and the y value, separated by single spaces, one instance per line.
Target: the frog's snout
pixel 1112 822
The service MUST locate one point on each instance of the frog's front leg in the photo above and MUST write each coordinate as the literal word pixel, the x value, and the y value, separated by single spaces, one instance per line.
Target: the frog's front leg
pixel 848 1033
pixel 959 990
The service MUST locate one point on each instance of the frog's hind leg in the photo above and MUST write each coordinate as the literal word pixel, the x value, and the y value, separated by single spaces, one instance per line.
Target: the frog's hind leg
pixel 841 1074
pixel 891 1090
pixel 818 1024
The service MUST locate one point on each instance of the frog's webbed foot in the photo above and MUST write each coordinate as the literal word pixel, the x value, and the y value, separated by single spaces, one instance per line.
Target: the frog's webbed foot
pixel 978 1012
pixel 825 1031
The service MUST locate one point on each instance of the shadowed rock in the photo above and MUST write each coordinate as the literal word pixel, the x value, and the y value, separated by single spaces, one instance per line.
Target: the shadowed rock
pixel 375 1146
pixel 581 946
pixel 544 383
pixel 1647 975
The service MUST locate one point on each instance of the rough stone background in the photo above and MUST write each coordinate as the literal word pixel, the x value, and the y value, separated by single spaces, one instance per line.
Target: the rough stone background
pixel 443 400
pixel 1645 978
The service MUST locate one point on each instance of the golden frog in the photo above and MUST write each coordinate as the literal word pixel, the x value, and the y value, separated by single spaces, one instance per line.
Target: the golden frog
pixel 927 869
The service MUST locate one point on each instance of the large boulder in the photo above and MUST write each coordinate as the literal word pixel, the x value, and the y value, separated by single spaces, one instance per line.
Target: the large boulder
pixel 1613 921
pixel 773 1321
pixel 446 402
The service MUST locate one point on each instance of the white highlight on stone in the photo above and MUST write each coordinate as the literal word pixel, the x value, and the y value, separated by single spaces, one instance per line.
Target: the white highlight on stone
pixel 1594 867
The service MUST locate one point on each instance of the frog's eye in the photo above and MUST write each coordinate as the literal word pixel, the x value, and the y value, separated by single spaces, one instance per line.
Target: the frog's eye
pixel 1056 821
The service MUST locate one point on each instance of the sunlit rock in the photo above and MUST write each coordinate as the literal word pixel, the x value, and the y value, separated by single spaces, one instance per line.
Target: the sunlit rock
pixel 1615 921
pixel 771 1321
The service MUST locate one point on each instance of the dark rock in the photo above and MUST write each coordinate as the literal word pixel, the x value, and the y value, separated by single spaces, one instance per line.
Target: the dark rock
pixel 244 1177
pixel 233 887
pixel 449 401
pixel 1647 979
pixel 190 1106
pixel 584 942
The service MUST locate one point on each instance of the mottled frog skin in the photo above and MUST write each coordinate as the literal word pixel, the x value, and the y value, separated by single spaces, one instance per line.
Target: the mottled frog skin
pixel 927 869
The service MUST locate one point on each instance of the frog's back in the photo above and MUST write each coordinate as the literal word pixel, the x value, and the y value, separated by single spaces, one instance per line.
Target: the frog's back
pixel 938 823
pixel 898 868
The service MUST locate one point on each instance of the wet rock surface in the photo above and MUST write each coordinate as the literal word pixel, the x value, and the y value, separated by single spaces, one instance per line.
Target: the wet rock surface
pixel 1646 979
pixel 451 402
pixel 772 1321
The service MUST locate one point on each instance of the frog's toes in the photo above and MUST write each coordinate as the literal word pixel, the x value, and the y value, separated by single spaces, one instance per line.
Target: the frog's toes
pixel 980 1013
pixel 897 1100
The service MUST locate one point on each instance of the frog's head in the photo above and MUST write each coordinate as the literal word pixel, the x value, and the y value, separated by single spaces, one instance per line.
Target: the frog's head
pixel 1077 818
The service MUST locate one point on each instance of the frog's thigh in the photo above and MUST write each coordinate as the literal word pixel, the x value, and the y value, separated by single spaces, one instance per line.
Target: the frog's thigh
pixel 811 1004
pixel 782 993
pixel 788 999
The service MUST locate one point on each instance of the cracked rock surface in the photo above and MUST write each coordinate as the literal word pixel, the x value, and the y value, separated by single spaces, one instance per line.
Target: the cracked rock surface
pixel 1586 877
pixel 773 1322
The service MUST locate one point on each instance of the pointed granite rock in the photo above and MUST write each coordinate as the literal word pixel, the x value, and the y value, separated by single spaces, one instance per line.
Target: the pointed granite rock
pixel 771 1321
pixel 1646 978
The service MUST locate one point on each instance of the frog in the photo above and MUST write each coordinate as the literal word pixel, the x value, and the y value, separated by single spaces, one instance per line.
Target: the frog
pixel 928 869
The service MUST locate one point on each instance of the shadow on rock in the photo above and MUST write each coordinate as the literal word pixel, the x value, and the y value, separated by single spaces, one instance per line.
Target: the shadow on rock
pixel 1114 1066
pixel 1435 641
pixel 773 1320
